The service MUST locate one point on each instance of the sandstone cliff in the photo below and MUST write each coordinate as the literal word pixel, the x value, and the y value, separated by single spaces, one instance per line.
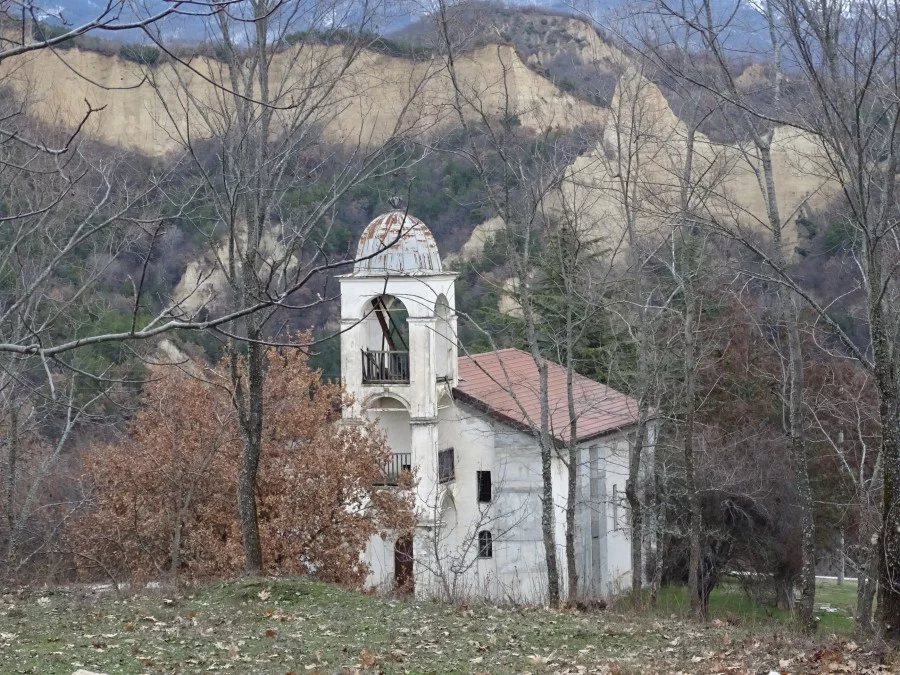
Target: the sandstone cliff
pixel 641 157
pixel 149 110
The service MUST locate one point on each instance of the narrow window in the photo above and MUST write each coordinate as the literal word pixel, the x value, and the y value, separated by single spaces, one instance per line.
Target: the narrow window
pixel 484 486
pixel 615 506
pixel 446 467
pixel 485 544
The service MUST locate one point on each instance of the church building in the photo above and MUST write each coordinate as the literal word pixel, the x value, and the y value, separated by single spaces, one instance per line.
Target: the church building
pixel 468 426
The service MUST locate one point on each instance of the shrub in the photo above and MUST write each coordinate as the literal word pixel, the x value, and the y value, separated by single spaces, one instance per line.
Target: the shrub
pixel 567 85
pixel 146 55
pixel 163 498
pixel 47 31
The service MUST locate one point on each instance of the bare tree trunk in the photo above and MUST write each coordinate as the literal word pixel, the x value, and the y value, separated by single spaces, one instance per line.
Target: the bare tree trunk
pixel 12 457
pixel 841 561
pixel 251 167
pixel 634 502
pixel 790 313
pixel 888 548
pixel 249 404
pixel 548 517
pixel 866 585
pixel 175 546
pixel 572 482
pixel 548 508
pixel 805 617
pixel 660 501
pixel 684 261
pixel 571 564
pixel 508 208
pixel 696 589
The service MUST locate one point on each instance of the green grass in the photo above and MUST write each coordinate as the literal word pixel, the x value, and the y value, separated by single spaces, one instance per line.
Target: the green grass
pixel 729 602
pixel 296 626
pixel 842 598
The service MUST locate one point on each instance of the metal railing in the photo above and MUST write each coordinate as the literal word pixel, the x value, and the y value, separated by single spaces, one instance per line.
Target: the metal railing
pixel 384 367
pixel 390 472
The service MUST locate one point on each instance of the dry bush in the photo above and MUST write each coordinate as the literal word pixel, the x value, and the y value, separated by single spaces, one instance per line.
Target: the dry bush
pixel 164 497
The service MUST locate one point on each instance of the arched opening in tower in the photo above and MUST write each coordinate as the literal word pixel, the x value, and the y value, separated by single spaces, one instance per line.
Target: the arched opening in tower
pixel 445 341
pixel 385 352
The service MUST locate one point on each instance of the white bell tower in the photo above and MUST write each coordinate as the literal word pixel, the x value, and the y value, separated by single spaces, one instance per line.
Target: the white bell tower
pixel 399 351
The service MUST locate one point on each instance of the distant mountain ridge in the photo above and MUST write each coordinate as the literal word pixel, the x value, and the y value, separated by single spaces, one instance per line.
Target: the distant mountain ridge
pixel 749 33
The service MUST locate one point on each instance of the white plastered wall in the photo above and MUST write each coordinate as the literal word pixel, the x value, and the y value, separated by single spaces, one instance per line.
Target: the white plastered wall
pixel 379 553
pixel 602 539
pixel 517 573
pixel 618 538
pixel 419 295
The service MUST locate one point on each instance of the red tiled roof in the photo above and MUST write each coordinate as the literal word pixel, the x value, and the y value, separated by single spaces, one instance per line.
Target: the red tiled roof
pixel 506 384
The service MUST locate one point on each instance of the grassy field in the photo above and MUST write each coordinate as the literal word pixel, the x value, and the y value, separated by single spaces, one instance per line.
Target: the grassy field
pixel 835 606
pixel 293 626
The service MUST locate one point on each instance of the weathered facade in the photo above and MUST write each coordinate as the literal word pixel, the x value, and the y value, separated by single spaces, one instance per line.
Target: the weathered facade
pixel 466 426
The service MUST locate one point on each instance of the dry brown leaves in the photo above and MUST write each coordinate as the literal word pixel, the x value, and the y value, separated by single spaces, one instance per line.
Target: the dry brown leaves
pixel 164 496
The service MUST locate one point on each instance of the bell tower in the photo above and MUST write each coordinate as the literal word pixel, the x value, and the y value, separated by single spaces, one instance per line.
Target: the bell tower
pixel 399 350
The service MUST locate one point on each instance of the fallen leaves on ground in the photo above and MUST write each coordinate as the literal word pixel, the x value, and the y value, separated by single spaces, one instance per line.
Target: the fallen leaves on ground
pixel 290 626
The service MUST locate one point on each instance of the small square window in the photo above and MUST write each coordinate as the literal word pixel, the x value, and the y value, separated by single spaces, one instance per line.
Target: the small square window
pixel 484 486
pixel 485 544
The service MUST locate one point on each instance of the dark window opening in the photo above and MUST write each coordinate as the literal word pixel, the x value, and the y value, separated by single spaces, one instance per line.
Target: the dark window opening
pixel 485 544
pixel 446 466
pixel 403 565
pixel 615 507
pixel 484 486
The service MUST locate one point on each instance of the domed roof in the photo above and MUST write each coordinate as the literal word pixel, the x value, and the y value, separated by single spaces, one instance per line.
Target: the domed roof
pixel 396 242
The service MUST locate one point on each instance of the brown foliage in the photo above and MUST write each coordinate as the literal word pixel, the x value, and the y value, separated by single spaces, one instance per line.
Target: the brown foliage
pixel 165 496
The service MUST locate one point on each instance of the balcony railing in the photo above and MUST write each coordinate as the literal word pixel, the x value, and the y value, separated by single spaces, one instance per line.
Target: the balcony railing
pixel 385 367
pixel 390 472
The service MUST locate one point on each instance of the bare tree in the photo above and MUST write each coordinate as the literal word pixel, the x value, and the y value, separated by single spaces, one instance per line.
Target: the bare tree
pixel 847 60
pixel 634 137
pixel 573 291
pixel 69 214
pixel 812 36
pixel 844 411
pixel 37 432
pixel 456 547
pixel 515 192
pixel 20 19
pixel 280 87
pixel 684 269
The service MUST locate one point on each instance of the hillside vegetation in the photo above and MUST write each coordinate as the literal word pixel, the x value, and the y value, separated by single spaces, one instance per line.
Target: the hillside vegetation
pixel 565 49
pixel 551 71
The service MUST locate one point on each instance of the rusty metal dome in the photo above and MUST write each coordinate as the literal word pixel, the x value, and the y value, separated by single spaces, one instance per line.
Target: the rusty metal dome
pixel 397 243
